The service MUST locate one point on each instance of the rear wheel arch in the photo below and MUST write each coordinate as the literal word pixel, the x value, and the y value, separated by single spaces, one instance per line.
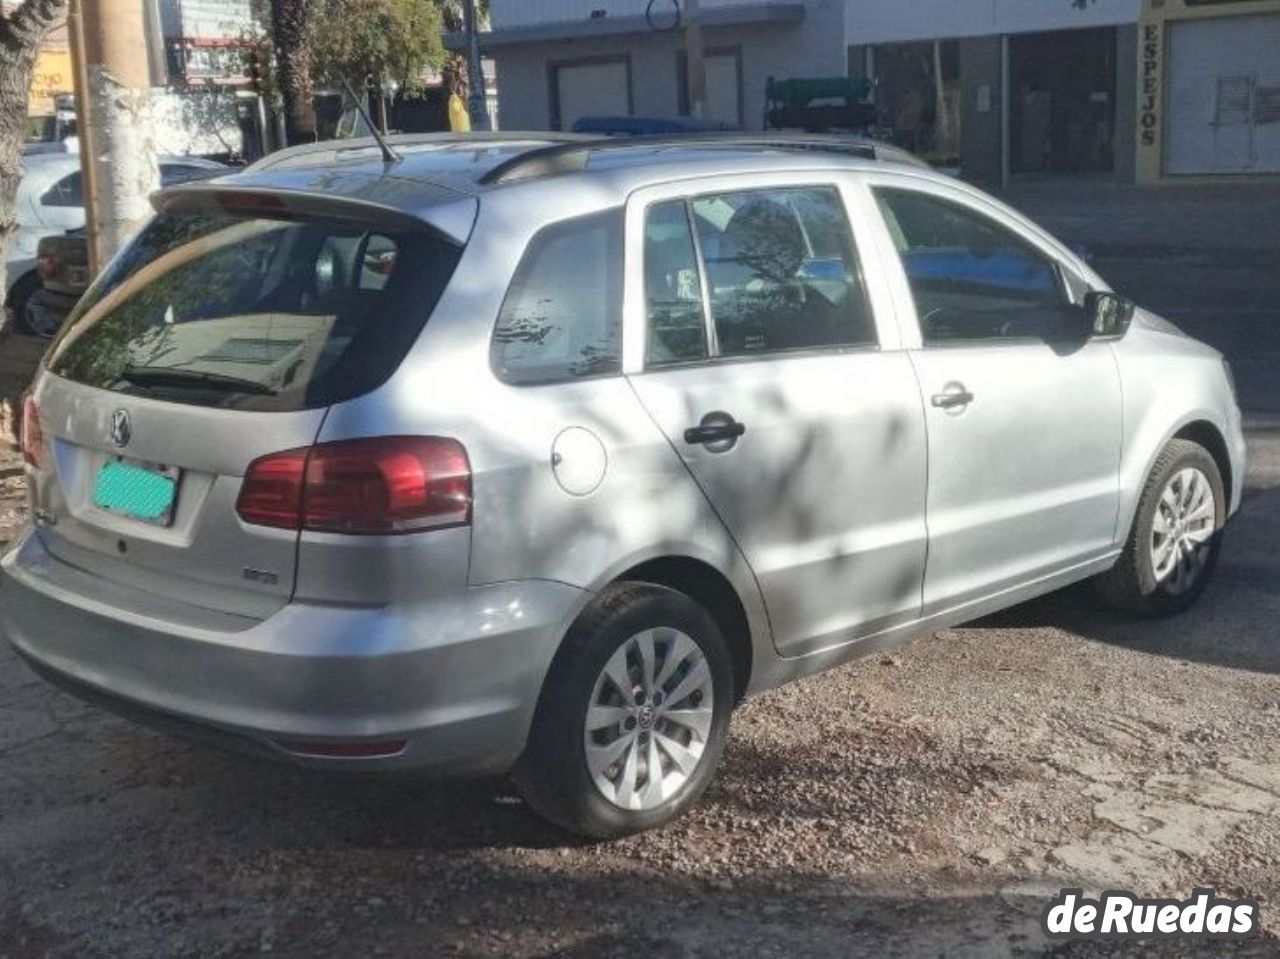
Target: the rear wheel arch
pixel 712 590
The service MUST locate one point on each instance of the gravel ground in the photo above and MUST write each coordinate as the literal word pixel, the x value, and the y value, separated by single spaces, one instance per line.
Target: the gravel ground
pixel 925 803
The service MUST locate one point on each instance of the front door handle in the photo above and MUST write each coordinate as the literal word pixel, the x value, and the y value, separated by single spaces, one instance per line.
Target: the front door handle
pixel 718 432
pixel 953 398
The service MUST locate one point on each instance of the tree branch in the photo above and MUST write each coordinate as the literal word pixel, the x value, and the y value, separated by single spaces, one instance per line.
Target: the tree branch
pixel 27 26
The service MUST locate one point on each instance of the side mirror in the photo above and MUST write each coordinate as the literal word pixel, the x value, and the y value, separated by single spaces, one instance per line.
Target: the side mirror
pixel 1108 314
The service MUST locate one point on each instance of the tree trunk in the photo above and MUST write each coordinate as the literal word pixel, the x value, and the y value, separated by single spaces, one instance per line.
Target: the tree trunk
pixel 21 33
pixel 289 28
pixel 120 137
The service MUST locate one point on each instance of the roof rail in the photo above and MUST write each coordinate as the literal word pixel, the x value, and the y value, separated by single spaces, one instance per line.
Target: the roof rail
pixel 573 156
pixel 337 149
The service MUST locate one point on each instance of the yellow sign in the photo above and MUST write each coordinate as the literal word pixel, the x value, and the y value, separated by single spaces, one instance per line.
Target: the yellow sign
pixel 52 77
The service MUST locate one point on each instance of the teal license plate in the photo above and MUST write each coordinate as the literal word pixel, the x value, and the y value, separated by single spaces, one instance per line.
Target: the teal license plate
pixel 136 491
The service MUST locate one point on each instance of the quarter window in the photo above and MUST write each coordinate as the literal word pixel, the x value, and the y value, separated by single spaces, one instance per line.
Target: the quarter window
pixel 673 288
pixel 562 315
pixel 973 278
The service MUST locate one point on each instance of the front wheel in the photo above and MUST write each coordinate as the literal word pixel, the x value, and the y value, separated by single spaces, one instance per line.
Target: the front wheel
pixel 633 715
pixel 1176 536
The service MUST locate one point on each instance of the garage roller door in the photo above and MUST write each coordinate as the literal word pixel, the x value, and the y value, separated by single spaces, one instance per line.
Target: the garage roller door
pixel 602 88
pixel 1224 96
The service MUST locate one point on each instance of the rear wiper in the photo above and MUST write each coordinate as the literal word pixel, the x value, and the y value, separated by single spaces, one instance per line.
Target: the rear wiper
pixel 173 376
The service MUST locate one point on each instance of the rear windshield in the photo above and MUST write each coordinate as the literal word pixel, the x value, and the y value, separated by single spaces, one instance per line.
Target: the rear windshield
pixel 218 309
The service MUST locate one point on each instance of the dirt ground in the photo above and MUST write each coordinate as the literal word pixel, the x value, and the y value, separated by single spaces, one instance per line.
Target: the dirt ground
pixel 925 803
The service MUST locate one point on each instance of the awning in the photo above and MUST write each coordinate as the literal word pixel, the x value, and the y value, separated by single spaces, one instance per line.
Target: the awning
pixel 740 14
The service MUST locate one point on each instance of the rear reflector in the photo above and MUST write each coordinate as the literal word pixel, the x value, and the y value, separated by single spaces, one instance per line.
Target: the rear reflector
pixel 383 485
pixel 344 750
pixel 32 434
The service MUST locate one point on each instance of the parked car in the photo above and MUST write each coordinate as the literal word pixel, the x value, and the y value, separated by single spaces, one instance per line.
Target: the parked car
pixel 50 201
pixel 62 263
pixel 538 456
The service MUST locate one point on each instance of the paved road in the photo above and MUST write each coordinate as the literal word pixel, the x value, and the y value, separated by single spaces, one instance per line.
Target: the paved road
pixel 919 804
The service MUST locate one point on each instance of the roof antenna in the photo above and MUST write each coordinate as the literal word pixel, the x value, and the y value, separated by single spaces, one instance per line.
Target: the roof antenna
pixel 389 156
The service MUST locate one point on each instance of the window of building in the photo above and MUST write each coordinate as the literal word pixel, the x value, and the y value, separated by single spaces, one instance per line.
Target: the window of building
pixel 918 96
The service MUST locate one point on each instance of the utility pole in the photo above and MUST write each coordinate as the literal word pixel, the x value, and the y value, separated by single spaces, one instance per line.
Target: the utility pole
pixel 696 65
pixel 84 125
pixel 477 102
pixel 118 148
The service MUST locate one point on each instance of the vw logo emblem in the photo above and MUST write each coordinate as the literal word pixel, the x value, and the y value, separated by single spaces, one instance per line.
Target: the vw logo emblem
pixel 121 430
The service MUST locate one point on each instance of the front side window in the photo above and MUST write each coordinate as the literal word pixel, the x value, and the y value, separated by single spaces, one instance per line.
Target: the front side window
pixel 782 272
pixel 973 278
pixel 230 310
pixel 562 317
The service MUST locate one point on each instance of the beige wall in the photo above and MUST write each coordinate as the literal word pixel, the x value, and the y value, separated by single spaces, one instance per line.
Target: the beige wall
pixel 809 48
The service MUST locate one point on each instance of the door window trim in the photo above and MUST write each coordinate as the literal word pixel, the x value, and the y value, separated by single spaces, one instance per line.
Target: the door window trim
pixel 635 315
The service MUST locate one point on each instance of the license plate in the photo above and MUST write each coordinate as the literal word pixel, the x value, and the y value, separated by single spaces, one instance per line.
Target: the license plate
pixel 141 492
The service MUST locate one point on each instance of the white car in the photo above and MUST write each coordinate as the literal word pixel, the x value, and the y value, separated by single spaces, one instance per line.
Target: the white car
pixel 50 200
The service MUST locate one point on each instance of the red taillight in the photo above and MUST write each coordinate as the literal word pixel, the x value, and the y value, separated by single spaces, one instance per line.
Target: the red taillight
pixel 392 484
pixel 46 266
pixel 32 434
pixel 272 491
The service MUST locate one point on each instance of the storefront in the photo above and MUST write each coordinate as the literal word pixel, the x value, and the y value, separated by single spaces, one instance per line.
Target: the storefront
pixel 1209 89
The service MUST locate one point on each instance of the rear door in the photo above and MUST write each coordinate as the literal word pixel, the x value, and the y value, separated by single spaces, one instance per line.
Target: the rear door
pixel 216 338
pixel 753 342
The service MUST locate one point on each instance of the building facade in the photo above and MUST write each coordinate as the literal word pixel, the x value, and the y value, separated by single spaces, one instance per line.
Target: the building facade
pixel 204 40
pixel 1209 88
pixel 1131 89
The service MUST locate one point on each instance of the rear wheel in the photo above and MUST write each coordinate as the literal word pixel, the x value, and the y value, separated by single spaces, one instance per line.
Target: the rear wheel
pixel 633 715
pixel 1173 546
pixel 19 303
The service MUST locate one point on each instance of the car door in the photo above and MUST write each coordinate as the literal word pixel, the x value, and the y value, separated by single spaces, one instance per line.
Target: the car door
pixel 1024 411
pixel 752 340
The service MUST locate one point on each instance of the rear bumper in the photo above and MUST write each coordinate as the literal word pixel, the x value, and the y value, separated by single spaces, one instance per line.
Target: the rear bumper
pixel 456 680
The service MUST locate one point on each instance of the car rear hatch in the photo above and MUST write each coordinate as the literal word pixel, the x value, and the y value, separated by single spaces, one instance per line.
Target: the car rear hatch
pixel 223 334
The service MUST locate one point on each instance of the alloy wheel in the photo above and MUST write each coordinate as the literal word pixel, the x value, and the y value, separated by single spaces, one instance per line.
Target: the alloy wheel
pixel 1182 531
pixel 649 718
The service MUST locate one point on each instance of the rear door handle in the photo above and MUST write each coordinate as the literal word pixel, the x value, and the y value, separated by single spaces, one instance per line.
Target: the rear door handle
pixel 952 399
pixel 717 431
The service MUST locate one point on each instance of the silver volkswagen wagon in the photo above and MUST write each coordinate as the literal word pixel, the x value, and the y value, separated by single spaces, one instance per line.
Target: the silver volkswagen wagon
pixel 536 455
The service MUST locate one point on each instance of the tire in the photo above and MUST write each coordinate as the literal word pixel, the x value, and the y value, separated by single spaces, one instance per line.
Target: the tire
pixel 554 775
pixel 1134 585
pixel 19 295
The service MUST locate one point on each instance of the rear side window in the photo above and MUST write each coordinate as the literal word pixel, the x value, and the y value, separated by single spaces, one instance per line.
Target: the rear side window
pixel 218 309
pixel 562 317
